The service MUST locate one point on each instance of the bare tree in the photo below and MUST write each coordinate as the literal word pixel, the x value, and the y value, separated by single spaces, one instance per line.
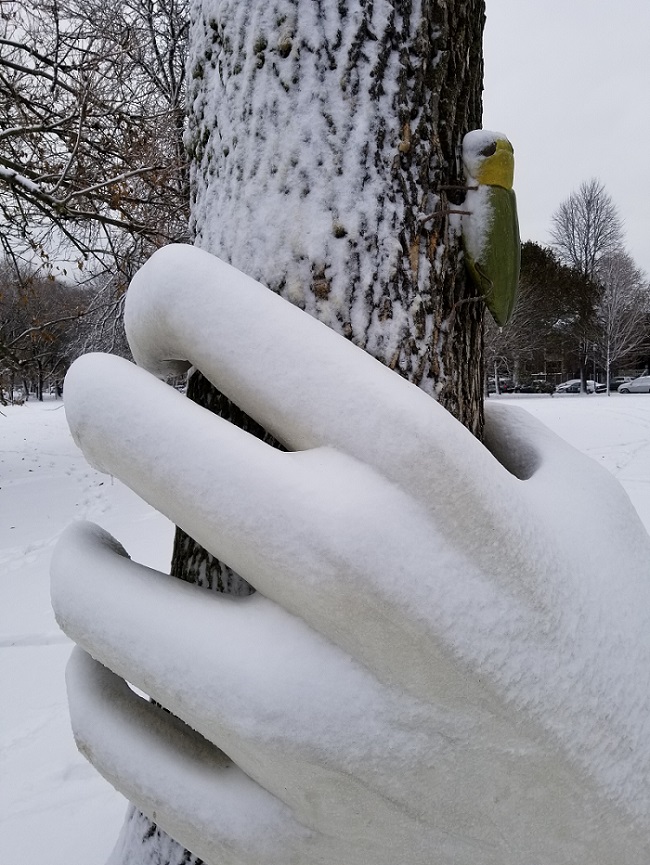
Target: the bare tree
pixel 585 227
pixel 91 104
pixel 39 319
pixel 623 310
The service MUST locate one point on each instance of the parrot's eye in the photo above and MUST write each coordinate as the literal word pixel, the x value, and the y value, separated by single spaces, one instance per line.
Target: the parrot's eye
pixel 490 150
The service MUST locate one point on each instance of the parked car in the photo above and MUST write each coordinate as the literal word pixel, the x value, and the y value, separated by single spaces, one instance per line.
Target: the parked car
pixel 616 382
pixel 637 385
pixel 505 385
pixel 573 386
pixel 538 385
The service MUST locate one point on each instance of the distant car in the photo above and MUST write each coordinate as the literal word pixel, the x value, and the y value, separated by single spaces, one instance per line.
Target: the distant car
pixel 535 386
pixel 637 385
pixel 505 385
pixel 618 380
pixel 573 386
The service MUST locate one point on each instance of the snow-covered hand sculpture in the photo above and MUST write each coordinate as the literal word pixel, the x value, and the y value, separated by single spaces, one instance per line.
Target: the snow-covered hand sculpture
pixel 490 227
pixel 448 658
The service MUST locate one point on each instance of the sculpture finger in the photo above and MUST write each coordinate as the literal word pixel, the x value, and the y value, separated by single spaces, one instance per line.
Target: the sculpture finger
pixel 287 706
pixel 228 490
pixel 507 436
pixel 320 533
pixel 528 448
pixel 176 777
pixel 352 760
pixel 303 382
pixel 260 510
pixel 569 481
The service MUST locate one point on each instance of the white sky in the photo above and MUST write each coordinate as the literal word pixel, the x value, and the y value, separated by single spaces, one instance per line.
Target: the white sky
pixel 567 81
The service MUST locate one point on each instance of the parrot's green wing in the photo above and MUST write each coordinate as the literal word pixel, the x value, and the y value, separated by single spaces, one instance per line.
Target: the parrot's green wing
pixel 496 270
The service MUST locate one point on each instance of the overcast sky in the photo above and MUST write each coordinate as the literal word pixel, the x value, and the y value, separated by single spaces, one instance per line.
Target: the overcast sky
pixel 568 81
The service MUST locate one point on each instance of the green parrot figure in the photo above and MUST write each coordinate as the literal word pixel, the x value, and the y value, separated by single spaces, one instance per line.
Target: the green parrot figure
pixel 490 225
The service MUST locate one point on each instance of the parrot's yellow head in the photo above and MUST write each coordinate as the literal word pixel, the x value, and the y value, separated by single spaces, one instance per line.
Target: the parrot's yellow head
pixel 489 158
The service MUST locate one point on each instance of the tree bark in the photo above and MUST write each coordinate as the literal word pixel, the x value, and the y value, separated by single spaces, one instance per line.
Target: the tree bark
pixel 325 148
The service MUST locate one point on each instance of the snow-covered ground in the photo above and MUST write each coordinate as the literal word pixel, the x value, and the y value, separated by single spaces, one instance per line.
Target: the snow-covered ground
pixel 54 809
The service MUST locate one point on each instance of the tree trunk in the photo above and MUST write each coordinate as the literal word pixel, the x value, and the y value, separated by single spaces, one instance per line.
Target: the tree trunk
pixel 325 145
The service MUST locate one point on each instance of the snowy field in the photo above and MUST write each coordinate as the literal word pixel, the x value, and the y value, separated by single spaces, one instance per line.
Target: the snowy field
pixel 54 809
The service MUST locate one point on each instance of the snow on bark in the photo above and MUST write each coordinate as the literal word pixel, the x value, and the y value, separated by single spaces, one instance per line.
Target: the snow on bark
pixel 317 163
pixel 310 163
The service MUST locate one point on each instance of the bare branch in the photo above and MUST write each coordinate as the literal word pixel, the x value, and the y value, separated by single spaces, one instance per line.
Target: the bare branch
pixel 92 117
